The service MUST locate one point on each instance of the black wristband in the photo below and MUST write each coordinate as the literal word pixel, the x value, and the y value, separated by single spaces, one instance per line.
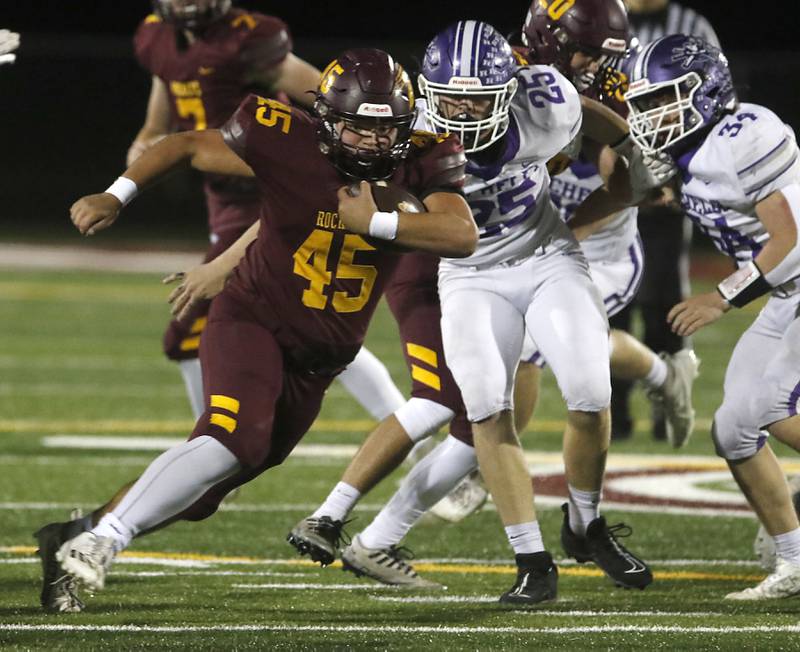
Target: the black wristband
pixel 744 285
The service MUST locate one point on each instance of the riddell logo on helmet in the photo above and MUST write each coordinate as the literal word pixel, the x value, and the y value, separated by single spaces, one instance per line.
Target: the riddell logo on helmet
pixel 377 110
pixel 466 82
pixel 615 44
pixel 638 85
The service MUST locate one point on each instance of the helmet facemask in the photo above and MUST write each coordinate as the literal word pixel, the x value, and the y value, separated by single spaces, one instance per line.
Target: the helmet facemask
pixel 390 136
pixel 663 114
pixel 191 14
pixel 475 133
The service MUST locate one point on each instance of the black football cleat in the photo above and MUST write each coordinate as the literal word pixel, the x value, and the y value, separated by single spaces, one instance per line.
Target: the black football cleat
pixel 320 538
pixel 59 591
pixel 601 546
pixel 537 581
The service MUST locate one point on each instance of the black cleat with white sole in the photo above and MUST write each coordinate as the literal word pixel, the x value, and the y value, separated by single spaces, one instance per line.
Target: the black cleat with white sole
pixel 601 545
pixel 537 581
pixel 59 591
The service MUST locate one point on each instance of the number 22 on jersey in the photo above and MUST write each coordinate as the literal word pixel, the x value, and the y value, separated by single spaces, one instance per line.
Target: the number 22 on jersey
pixel 311 263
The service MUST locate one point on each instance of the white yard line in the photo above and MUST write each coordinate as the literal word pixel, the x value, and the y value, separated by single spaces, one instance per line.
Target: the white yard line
pixel 579 613
pixel 21 256
pixel 317 586
pixel 408 629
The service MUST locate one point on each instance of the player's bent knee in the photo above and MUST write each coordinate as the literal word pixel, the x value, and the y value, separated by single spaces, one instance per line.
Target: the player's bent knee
pixel 421 417
pixel 732 440
pixel 588 396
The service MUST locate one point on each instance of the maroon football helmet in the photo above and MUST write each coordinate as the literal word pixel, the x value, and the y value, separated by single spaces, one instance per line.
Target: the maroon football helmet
pixel 191 14
pixel 365 90
pixel 555 29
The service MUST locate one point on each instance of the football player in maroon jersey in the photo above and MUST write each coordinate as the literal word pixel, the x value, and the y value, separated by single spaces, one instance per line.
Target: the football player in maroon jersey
pixel 295 309
pixel 205 56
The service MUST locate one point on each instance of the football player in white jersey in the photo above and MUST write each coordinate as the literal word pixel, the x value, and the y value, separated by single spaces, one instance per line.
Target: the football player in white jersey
pixel 741 186
pixel 586 41
pixel 528 275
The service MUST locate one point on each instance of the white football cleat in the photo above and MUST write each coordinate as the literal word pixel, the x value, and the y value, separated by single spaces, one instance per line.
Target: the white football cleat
pixel 675 395
pixel 87 559
pixel 784 582
pixel 466 498
pixel 388 565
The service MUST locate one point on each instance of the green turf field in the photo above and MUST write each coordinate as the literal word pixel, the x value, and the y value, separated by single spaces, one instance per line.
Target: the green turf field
pixel 80 356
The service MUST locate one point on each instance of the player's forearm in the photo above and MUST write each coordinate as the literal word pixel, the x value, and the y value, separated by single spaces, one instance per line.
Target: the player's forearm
pixel 442 233
pixel 595 211
pixel 601 124
pixel 779 260
pixel 229 258
pixel 160 159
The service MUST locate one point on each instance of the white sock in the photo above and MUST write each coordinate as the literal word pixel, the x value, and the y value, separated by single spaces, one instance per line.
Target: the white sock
pixel 368 381
pixel 584 507
pixel 339 502
pixel 431 479
pixel 193 379
pixel 525 538
pixel 174 481
pixel 657 375
pixel 787 546
pixel 110 526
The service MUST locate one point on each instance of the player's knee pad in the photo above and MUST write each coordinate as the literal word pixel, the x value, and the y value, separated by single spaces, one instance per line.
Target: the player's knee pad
pixel 587 392
pixel 733 439
pixel 421 417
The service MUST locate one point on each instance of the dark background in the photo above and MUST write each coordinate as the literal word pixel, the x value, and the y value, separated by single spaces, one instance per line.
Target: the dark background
pixel 74 100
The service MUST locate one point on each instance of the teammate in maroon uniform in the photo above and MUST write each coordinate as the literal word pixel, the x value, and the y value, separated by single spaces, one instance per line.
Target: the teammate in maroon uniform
pixel 296 308
pixel 205 57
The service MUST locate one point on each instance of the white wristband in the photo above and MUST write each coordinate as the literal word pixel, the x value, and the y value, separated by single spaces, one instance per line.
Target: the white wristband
pixel 123 189
pixel 384 225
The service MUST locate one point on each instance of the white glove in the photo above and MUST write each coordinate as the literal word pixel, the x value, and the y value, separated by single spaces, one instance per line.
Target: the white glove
pixel 9 41
pixel 646 171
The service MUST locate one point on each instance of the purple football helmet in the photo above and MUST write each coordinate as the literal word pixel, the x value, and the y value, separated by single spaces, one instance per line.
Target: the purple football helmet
pixel 469 64
pixel 679 86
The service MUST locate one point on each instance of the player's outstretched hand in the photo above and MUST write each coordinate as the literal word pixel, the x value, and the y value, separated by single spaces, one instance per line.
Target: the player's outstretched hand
pixel 691 315
pixel 356 207
pixel 94 213
pixel 198 284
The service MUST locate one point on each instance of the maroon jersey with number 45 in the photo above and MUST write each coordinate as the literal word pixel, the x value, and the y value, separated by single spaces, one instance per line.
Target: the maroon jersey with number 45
pixel 307 278
pixel 207 79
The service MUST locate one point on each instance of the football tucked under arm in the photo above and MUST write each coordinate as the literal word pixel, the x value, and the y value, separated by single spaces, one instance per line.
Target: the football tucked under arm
pixel 391 216
pixel 390 198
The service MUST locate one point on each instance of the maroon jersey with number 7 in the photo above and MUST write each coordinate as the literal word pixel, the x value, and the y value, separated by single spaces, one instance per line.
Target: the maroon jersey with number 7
pixel 207 79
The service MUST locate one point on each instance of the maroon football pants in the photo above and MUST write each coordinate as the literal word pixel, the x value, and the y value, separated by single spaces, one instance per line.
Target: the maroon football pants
pixel 256 406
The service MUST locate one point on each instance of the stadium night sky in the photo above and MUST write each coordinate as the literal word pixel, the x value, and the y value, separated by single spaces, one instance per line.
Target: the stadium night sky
pixel 741 25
